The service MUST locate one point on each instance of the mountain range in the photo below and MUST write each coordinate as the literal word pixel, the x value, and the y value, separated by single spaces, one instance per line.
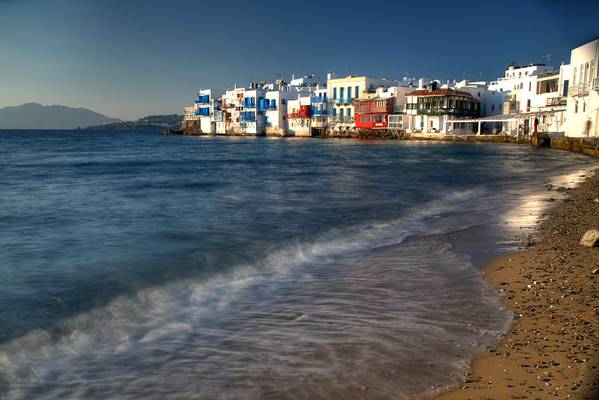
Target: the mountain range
pixel 37 116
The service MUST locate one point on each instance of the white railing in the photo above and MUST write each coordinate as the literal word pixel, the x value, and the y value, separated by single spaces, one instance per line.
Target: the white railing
pixel 582 89
pixel 595 84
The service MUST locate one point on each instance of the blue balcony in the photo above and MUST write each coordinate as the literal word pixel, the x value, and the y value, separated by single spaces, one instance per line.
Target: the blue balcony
pixel 203 99
pixel 248 117
pixel 319 113
pixel 203 112
pixel 249 102
pixel 318 100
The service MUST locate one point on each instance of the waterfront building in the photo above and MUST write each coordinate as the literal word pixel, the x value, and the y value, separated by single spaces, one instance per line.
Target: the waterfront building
pixel 253 111
pixel 320 110
pixel 189 117
pixel 430 108
pixel 275 110
pixel 299 115
pixel 228 118
pixel 582 115
pixel 398 118
pixel 372 111
pixel 342 91
pixel 205 105
pixel 519 83
pixel 491 100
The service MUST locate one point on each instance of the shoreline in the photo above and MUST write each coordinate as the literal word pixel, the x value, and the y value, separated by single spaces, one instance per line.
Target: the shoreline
pixel 585 145
pixel 551 350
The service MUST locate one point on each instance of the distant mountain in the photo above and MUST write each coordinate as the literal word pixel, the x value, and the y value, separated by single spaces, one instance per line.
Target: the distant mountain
pixel 37 116
pixel 150 123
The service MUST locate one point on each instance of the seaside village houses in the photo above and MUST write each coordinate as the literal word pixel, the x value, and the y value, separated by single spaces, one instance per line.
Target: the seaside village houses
pixel 527 99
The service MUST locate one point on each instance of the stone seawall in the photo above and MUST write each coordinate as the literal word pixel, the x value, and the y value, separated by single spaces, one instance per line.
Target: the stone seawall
pixel 588 146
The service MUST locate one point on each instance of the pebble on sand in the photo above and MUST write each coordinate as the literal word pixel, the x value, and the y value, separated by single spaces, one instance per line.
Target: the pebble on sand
pixel 590 238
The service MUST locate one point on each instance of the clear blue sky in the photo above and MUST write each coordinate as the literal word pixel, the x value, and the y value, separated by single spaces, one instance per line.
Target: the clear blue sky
pixel 132 58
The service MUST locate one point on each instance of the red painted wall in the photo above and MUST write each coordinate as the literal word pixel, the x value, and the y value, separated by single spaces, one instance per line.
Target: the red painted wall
pixel 373 121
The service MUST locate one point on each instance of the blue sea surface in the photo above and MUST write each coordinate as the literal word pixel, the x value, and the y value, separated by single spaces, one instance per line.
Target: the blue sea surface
pixel 138 266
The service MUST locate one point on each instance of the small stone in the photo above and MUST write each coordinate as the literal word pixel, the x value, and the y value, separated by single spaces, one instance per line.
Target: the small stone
pixel 590 238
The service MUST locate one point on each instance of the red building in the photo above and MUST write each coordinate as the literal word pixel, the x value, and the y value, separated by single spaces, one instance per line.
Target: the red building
pixel 373 112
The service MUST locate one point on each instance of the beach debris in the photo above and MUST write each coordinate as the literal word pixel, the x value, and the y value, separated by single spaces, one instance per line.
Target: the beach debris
pixel 590 238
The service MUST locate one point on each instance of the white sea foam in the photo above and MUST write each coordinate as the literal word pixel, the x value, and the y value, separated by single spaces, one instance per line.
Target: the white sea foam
pixel 239 303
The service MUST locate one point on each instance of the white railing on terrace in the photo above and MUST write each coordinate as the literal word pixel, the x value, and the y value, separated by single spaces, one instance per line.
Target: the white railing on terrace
pixel 595 84
pixel 582 89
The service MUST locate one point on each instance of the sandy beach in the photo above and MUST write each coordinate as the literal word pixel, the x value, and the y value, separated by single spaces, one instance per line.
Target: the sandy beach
pixel 551 351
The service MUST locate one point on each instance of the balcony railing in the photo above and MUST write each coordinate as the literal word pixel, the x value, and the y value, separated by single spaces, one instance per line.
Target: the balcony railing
pixel 450 111
pixel 343 102
pixel 556 101
pixel 203 111
pixel 595 84
pixel 582 89
pixel 345 119
pixel 204 99
pixel 320 113
pixel 317 100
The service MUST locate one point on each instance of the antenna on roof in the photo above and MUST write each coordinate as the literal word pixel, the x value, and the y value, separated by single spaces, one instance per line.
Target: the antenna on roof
pixel 547 58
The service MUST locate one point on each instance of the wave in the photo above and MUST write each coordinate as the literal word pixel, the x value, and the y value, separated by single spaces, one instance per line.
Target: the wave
pixel 153 314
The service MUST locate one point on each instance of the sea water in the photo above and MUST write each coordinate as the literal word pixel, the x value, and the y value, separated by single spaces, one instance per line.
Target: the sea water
pixel 138 266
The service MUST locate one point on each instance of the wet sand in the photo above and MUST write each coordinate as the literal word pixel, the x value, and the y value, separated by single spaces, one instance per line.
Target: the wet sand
pixel 551 352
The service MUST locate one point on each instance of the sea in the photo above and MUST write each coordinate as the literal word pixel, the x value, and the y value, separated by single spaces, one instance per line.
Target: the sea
pixel 140 266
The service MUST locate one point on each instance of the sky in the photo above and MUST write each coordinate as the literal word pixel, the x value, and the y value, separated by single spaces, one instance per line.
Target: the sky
pixel 129 58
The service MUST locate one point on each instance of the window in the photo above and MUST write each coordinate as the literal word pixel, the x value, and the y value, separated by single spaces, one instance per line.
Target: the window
pixel 349 93
pixel 529 86
pixel 341 93
pixel 348 112
pixel 334 93
pixel 575 106
pixel 586 72
pixel 357 91
pixel 584 106
pixel 341 112
pixel 574 76
pixel 334 112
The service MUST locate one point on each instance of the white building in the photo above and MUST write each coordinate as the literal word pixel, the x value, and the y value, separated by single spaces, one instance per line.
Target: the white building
pixel 276 110
pixel 253 118
pixel 582 115
pixel 299 116
pixel 491 100
pixel 205 105
pixel 320 110
pixel 429 110
pixel 228 118
pixel 520 84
